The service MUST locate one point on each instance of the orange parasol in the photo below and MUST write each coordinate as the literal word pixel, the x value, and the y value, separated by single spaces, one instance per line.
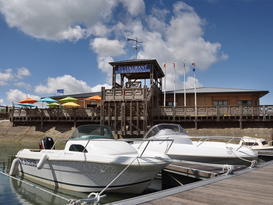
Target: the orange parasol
pixel 28 100
pixel 96 97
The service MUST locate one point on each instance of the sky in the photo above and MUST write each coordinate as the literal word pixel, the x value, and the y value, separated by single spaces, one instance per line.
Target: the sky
pixel 48 45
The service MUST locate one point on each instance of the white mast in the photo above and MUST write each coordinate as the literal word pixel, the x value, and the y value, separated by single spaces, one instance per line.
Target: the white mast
pixel 174 99
pixel 195 98
pixel 165 84
pixel 185 100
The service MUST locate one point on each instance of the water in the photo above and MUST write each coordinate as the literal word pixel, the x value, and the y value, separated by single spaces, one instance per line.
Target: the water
pixel 14 192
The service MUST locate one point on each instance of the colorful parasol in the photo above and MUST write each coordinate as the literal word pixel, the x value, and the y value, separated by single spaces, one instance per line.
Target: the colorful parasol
pixel 96 97
pixel 71 104
pixel 68 99
pixel 28 100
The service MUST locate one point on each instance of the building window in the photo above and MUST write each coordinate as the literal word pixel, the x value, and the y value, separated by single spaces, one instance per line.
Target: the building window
pixel 169 103
pixel 244 102
pixel 219 103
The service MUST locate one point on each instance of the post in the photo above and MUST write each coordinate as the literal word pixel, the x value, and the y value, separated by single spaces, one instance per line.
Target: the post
pixel 174 97
pixel 195 97
pixel 165 84
pixel 185 100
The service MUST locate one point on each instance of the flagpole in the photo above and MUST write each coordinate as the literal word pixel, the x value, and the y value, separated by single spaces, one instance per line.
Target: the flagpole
pixel 195 100
pixel 165 84
pixel 174 103
pixel 185 101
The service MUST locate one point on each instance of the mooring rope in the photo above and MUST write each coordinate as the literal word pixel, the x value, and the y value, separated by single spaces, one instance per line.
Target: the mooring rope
pixel 253 162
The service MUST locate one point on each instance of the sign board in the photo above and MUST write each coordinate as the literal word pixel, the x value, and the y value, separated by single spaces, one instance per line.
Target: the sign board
pixel 132 69
pixel 60 91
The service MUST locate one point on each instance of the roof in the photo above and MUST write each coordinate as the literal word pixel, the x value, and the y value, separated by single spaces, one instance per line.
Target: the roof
pixel 77 95
pixel 189 90
pixel 136 62
pixel 219 90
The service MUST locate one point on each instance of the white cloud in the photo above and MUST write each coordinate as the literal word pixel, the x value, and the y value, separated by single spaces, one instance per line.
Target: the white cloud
pixel 190 83
pixel 55 20
pixel 70 85
pixel 135 8
pixel 105 47
pixel 66 82
pixel 21 72
pixel 100 30
pixel 23 85
pixel 15 95
pixel 1 101
pixel 103 64
pixel 97 88
pixel 6 76
pixel 166 38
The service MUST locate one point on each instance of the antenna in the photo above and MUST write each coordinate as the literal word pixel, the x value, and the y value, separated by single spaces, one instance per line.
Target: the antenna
pixel 136 45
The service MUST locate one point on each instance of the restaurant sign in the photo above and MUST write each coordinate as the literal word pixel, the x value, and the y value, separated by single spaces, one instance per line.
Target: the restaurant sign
pixel 132 69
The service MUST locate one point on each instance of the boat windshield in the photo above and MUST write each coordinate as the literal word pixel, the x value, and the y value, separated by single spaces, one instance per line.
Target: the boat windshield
pixel 164 126
pixel 92 132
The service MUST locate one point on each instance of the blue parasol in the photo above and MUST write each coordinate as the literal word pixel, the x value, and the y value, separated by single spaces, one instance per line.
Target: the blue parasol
pixel 47 100
pixel 26 104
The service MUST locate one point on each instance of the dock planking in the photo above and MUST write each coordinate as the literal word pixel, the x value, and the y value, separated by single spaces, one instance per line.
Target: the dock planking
pixel 248 186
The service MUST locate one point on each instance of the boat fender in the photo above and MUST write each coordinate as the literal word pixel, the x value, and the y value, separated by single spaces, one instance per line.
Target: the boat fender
pixel 14 167
pixel 42 161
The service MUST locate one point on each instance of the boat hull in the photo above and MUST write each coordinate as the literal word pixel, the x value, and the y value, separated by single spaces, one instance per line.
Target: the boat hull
pixel 91 176
pixel 207 152
pixel 213 159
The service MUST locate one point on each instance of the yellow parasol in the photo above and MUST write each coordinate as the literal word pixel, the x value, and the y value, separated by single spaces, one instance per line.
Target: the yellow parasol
pixel 71 104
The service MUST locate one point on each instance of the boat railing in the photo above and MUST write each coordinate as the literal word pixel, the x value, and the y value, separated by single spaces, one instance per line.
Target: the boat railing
pixel 203 139
pixel 271 142
pixel 131 140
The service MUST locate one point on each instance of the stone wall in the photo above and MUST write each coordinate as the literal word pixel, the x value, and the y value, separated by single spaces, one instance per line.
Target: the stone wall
pixel 32 134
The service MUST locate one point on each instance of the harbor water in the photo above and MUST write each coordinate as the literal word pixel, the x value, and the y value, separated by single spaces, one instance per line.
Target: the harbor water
pixel 15 192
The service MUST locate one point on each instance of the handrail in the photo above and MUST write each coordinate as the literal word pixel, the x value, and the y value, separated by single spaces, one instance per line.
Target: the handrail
pixel 253 162
pixel 270 142
pixel 149 140
pixel 178 111
pixel 206 138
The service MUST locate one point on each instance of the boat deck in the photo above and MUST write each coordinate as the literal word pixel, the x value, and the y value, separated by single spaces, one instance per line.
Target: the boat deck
pixel 248 186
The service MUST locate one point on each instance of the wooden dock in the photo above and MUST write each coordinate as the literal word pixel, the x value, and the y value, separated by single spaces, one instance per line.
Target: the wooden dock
pixel 248 186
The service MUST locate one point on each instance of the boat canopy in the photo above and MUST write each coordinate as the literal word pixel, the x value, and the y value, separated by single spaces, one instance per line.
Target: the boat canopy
pixel 92 131
pixel 167 128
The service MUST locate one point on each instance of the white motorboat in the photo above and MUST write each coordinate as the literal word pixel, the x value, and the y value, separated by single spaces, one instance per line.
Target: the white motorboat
pixel 258 144
pixel 92 160
pixel 183 148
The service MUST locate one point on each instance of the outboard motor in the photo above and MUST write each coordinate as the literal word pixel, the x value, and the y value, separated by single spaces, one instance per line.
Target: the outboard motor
pixel 46 143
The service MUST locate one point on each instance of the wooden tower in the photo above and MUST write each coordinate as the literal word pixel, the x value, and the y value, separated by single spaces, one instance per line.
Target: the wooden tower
pixel 128 106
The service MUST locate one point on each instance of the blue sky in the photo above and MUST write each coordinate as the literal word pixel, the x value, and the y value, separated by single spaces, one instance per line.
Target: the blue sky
pixel 48 45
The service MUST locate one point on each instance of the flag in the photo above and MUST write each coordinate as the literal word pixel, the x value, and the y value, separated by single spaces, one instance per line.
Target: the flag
pixel 193 64
pixel 174 64
pixel 60 91
pixel 164 65
pixel 193 69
